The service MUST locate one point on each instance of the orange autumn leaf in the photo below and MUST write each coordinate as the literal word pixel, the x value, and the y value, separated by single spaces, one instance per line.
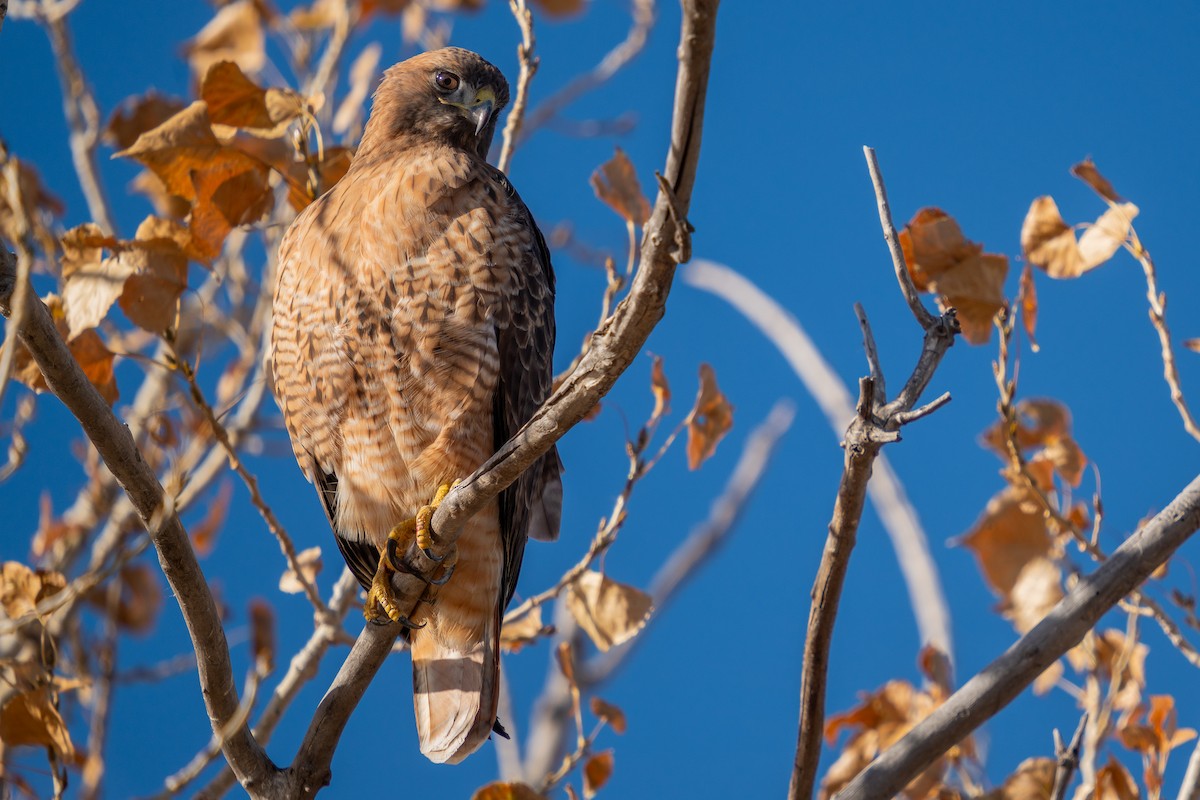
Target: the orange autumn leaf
pixel 140 599
pixel 660 389
pixel 31 717
pixel 612 715
pixel 204 533
pixel 1113 782
pixel 1033 780
pixel 1027 299
pixel 942 261
pixel 1009 535
pixel 616 183
pixel 507 791
pixel 565 655
pixel 710 420
pixel 236 101
pixel 22 588
pixel 34 199
pixel 596 772
pixel 1050 244
pixel 158 274
pixel 234 34
pixel 609 612
pixel 138 114
pixel 226 186
pixel 88 349
pixel 262 635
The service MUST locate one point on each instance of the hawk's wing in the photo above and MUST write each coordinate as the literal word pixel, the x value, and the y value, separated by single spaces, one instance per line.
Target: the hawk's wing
pixel 531 505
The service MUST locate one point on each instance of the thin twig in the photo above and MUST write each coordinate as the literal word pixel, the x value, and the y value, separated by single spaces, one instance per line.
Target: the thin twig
pixel 528 66
pixel 612 63
pixel 1068 759
pixel 867 434
pixel 1190 788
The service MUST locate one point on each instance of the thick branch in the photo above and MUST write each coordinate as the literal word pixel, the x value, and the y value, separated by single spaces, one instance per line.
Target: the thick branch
pixel 117 449
pixel 1064 627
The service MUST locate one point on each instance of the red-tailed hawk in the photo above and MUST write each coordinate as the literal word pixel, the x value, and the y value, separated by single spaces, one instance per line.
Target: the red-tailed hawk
pixel 413 333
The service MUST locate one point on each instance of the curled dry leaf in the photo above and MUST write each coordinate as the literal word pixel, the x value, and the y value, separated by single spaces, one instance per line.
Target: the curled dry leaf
pixel 138 114
pixel 34 201
pixel 610 612
pixel 140 599
pixel 236 101
pixel 1010 535
pixel 262 636
pixel 1086 171
pixel 613 716
pixel 560 8
pixel 1049 243
pixel 882 718
pixel 1033 780
pixel 524 630
pixel 566 661
pixel 1113 782
pixel 710 420
pixel 1192 344
pixel 941 260
pixel 22 588
pixel 51 529
pixel 660 388
pixel 1113 657
pixel 309 562
pixel 1027 299
pixel 596 772
pixel 91 282
pixel 225 186
pixel 88 349
pixel 1155 738
pixel 234 34
pixel 616 183
pixel 507 791
pixel 31 718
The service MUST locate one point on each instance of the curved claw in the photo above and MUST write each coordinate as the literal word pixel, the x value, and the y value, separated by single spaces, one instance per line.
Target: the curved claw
pixel 430 555
pixel 397 563
pixel 409 624
pixel 445 577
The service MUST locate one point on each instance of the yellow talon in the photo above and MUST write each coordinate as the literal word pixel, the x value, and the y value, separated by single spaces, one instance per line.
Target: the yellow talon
pixel 425 514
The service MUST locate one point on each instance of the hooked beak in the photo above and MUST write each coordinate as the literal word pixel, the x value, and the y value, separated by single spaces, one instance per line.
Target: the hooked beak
pixel 480 112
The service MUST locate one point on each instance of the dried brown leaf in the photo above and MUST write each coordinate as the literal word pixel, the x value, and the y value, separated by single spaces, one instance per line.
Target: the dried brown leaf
pixel 612 715
pixel 31 718
pixel 1086 171
pixel 1049 243
pixel 204 533
pixel 158 261
pixel 1192 344
pixel 1036 590
pixel 234 34
pixel 1103 653
pixel 51 529
pixel 566 661
pixel 309 562
pixel 560 8
pixel 507 791
pixel 138 114
pixel 262 636
pixel 1033 780
pixel 596 772
pixel 22 588
pixel 91 282
pixel 88 349
pixel 35 201
pixel 616 183
pixel 710 420
pixel 610 612
pixel 1009 535
pixel 660 388
pixel 1113 782
pixel 941 260
pixel 523 631
pixel 1027 299
pixel 140 599
pixel 235 100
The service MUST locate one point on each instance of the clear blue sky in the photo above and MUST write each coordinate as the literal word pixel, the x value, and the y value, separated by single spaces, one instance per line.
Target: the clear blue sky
pixel 974 108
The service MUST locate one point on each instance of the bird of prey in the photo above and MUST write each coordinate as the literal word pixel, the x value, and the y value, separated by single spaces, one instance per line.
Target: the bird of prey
pixel 412 336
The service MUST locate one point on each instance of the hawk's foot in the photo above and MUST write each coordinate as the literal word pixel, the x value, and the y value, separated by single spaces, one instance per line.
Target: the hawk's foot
pixel 424 515
pixel 417 529
pixel 381 599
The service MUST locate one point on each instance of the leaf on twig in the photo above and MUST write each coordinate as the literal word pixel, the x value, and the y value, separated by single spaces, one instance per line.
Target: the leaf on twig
pixel 262 636
pixel 565 656
pixel 1155 738
pixel 710 420
pixel 660 388
pixel 942 261
pixel 138 114
pixel 309 562
pixel 1113 782
pixel 523 631
pixel 1086 171
pixel 1034 779
pixel 35 201
pixel 1116 658
pixel 236 101
pixel 1027 300
pixel 1046 424
pixel 610 612
pixel 507 791
pixel 613 716
pixel 234 34
pixel 1049 243
pixel 225 186
pixel 91 282
pixel 616 183
pixel 31 718
pixel 22 588
pixel 88 349
pixel 596 772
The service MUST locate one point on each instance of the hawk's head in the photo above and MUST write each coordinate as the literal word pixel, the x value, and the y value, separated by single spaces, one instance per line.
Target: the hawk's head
pixel 452 95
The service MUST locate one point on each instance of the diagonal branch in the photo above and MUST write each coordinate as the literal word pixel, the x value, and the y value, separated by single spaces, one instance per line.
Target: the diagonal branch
pixel 1065 626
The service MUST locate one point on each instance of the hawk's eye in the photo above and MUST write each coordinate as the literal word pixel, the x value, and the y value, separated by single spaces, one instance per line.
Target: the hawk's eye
pixel 446 81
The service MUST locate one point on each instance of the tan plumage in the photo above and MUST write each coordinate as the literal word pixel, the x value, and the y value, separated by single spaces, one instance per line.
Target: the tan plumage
pixel 413 332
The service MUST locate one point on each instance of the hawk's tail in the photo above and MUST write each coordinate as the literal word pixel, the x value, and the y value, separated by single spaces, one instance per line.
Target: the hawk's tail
pixel 455 693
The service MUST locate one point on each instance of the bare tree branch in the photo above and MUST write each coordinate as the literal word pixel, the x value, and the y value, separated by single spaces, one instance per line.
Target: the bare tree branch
pixel 1002 680
pixel 1068 759
pixel 528 66
pixel 1190 788
pixel 875 425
